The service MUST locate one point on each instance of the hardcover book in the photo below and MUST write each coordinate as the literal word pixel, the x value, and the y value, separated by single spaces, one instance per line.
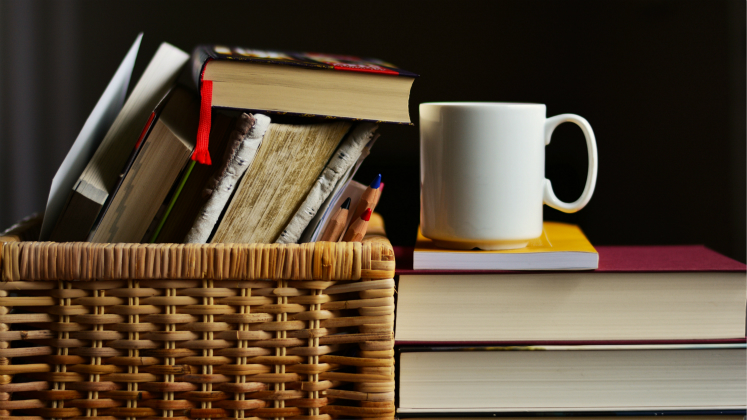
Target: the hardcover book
pixel 325 85
pixel 536 379
pixel 192 197
pixel 304 84
pixel 650 293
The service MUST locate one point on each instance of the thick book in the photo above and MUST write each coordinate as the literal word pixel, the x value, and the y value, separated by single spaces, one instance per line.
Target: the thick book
pixel 561 247
pixel 100 176
pixel 304 83
pixel 586 415
pixel 288 163
pixel 634 378
pixel 162 156
pixel 651 293
pixel 297 83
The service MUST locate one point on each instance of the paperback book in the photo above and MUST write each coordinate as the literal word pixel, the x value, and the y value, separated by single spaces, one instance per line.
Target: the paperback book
pixel 561 247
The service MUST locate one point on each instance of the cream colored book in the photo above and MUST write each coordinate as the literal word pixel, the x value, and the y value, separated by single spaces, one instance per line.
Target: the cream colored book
pixel 288 163
pixel 304 83
pixel 707 415
pixel 632 378
pixel 639 293
pixel 561 247
pixel 572 306
pixel 651 415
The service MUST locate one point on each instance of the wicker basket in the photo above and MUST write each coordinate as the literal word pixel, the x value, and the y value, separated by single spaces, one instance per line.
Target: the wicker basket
pixel 197 331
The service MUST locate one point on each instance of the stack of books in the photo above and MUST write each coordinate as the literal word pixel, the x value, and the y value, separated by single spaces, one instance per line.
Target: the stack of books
pixel 225 144
pixel 563 328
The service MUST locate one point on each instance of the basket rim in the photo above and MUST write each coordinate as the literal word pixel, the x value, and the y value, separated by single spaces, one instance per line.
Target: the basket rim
pixel 84 261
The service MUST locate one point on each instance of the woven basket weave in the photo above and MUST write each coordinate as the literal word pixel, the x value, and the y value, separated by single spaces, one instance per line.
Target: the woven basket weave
pixel 197 331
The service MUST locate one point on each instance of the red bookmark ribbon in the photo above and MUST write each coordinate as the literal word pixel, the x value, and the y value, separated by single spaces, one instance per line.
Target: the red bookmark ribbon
pixel 201 153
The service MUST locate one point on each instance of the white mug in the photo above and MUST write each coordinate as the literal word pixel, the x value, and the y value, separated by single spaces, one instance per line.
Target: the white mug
pixel 482 173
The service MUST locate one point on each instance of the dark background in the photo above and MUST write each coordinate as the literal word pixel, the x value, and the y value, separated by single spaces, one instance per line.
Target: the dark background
pixel 661 82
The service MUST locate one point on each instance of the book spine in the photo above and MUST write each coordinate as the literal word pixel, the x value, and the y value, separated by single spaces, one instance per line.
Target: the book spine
pixel 200 56
pixel 236 164
pixel 347 154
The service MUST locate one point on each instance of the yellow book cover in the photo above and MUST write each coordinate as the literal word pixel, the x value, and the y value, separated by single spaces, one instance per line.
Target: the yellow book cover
pixel 561 246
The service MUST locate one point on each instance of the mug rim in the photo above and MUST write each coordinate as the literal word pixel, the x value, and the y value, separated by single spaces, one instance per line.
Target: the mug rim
pixel 482 104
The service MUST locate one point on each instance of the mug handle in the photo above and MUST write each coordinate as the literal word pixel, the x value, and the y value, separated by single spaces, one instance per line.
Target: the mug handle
pixel 548 195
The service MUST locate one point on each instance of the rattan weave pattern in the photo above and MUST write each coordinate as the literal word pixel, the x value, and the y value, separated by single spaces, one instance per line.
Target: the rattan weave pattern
pixel 197 331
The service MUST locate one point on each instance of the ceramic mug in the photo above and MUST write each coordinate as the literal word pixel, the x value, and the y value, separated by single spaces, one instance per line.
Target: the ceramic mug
pixel 482 173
